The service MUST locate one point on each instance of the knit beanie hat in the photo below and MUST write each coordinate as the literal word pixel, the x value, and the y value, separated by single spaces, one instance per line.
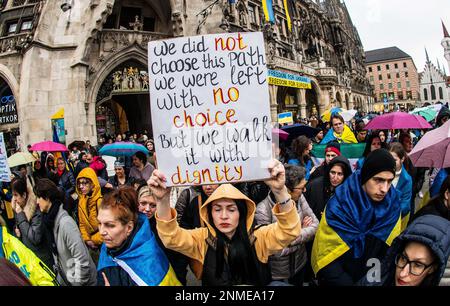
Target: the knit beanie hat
pixel 333 146
pixel 377 161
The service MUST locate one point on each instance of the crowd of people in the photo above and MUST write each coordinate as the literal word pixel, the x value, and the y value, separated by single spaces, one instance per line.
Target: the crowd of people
pixel 69 222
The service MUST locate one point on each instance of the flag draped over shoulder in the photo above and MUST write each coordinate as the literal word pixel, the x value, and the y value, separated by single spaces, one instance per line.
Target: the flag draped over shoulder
pixel 346 137
pixel 144 261
pixel 350 216
pixel 268 10
pixel 289 8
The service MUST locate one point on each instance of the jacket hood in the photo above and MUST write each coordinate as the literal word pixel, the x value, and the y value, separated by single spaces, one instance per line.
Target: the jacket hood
pixel 430 230
pixel 228 191
pixel 433 231
pixel 340 160
pixel 442 113
pixel 89 173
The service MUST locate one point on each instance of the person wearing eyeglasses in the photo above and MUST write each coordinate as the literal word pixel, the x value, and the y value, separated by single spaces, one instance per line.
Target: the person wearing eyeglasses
pixel 289 265
pixel 440 206
pixel 417 257
pixel 90 197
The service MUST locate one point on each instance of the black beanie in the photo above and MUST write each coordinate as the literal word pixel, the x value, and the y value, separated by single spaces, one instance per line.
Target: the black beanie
pixel 377 161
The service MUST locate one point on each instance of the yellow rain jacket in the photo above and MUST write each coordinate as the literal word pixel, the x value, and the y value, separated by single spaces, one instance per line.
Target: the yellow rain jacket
pixel 88 208
pixel 269 240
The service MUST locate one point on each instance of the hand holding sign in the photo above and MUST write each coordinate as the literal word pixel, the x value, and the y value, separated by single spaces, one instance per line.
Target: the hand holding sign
pixel 210 108
pixel 161 193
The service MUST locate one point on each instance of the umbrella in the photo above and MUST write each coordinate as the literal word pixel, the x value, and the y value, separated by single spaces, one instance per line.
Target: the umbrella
pixel 326 116
pixel 433 149
pixel 397 120
pixel 348 114
pixel 20 158
pixel 426 112
pixel 280 134
pixel 122 148
pixel 297 129
pixel 77 143
pixel 49 146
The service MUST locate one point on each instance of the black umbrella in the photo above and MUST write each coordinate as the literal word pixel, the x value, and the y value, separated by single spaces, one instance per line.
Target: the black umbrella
pixel 297 129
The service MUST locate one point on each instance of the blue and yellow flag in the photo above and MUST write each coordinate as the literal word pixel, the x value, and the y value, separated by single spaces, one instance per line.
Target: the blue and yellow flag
pixel 289 8
pixel 143 260
pixel 346 137
pixel 268 11
pixel 350 216
pixel 29 264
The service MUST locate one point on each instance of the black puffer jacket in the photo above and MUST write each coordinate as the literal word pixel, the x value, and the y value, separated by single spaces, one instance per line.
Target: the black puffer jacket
pixel 434 232
pixel 444 112
pixel 67 182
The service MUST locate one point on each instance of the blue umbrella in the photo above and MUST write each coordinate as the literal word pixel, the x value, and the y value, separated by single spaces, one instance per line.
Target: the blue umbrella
pixel 297 129
pixel 119 149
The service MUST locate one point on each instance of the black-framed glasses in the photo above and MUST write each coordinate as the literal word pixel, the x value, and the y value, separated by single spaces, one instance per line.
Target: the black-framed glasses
pixel 83 183
pixel 415 268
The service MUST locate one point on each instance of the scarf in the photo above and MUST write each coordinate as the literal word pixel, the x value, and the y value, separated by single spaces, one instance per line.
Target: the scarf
pixel 48 219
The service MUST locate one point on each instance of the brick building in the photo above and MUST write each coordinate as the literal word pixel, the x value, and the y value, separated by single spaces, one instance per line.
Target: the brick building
pixel 394 78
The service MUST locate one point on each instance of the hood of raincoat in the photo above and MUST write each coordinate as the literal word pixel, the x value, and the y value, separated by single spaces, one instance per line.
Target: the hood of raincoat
pixel 89 173
pixel 228 191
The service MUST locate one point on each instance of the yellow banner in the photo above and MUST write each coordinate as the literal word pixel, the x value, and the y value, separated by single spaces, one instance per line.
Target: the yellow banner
pixel 59 114
pixel 289 83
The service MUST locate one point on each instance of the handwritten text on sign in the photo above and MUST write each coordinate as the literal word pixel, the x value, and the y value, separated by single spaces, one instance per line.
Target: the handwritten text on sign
pixel 210 108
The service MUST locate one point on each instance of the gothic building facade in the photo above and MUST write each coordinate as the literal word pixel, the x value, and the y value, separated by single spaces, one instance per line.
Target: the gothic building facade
pixel 90 58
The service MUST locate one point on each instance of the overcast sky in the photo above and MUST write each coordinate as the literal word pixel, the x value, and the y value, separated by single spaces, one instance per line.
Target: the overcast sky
pixel 410 25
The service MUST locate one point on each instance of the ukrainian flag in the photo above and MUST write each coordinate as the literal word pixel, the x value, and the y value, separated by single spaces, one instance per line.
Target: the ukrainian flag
pixel 349 217
pixel 289 8
pixel 29 264
pixel 268 10
pixel 143 260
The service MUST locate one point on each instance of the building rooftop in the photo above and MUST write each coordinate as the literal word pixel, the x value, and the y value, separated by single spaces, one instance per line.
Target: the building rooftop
pixel 385 54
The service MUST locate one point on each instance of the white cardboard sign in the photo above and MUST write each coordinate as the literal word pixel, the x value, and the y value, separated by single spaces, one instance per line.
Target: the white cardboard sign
pixel 210 108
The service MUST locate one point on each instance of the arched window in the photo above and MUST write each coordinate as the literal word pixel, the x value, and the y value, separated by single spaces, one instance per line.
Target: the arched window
pixel 425 94
pixel 433 92
pixel 441 94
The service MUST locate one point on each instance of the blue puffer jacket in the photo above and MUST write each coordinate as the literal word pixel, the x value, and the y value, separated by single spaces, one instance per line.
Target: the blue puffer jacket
pixel 431 230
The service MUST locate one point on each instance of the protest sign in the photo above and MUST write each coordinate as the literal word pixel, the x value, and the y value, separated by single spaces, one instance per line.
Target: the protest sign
pixel 5 172
pixel 210 108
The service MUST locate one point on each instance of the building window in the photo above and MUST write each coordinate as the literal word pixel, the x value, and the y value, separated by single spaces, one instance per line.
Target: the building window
pixel 389 76
pixel 390 85
pixel 391 96
pixel 397 75
pixel 380 77
pixel 406 74
pixel 425 94
pixel 252 14
pixel 433 92
pixel 379 68
pixel 399 85
pixel 400 95
pixel 409 95
pixel 371 78
pixel 405 65
pixel 382 86
pixel 408 84
pixel 396 66
pixel 370 69
pixel 441 93
pixel 387 67
pixel 11 27
pixel 26 25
